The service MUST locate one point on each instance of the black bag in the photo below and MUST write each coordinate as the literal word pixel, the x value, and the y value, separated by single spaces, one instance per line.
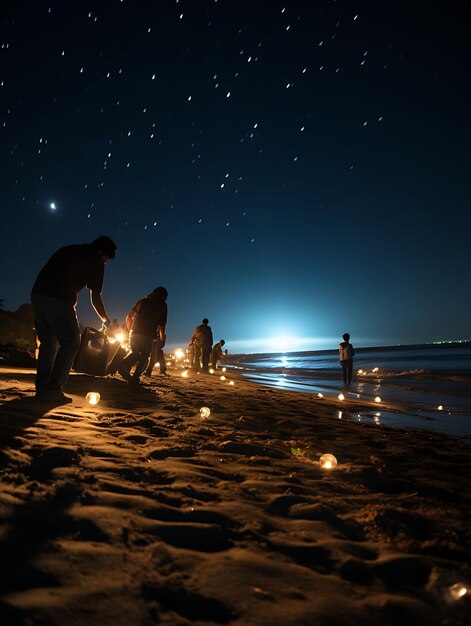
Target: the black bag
pixel 98 355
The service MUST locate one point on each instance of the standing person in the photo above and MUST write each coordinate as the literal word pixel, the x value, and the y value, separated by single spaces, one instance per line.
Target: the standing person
pixel 346 359
pixel 54 300
pixel 203 341
pixel 157 356
pixel 146 322
pixel 217 353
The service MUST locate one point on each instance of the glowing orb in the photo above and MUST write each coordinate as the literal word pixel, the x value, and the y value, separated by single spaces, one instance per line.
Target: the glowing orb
pixel 211 371
pixel 185 374
pixel 360 371
pixel 179 354
pixel 341 396
pixel 320 395
pixel 440 407
pixel 223 378
pixel 120 337
pixel 328 461
pixel 205 412
pixel 377 399
pixel 53 206
pixel 93 397
pixel 223 369
pixel 375 369
pixel 457 591
pixel 231 383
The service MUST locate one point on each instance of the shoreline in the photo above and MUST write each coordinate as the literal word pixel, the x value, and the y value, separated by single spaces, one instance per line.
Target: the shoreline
pixel 160 515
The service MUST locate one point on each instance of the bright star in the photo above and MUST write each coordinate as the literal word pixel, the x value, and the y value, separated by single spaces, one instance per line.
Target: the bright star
pixel 52 206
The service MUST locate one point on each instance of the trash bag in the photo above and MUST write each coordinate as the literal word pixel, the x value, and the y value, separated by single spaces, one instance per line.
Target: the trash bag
pixel 98 355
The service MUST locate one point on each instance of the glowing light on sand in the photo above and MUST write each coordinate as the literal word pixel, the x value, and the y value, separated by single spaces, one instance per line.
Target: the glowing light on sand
pixel 231 382
pixel 440 407
pixel 224 369
pixel 457 591
pixel 375 369
pixel 360 371
pixel 320 395
pixel 328 461
pixel 340 415
pixel 211 371
pixel 223 378
pixel 93 397
pixel 185 374
pixel 179 354
pixel 341 397
pixel 377 399
pixel 205 412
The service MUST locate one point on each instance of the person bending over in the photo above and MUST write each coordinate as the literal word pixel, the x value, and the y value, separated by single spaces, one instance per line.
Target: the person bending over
pixel 54 300
pixel 146 322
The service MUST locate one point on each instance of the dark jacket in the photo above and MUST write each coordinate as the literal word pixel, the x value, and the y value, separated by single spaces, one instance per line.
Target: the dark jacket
pixel 149 313
pixel 203 335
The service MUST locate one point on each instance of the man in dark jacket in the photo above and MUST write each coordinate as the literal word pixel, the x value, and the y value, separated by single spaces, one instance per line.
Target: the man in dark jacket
pixel 54 298
pixel 203 340
pixel 146 322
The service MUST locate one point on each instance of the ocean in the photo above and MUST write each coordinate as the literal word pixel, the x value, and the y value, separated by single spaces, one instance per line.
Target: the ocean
pixel 421 386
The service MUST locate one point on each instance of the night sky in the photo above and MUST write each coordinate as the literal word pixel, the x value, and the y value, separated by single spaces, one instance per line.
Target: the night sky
pixel 290 170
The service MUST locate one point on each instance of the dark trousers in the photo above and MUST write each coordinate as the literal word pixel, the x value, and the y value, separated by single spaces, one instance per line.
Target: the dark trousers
pixel 205 353
pixel 347 369
pixel 57 328
pixel 195 356
pixel 157 356
pixel 141 348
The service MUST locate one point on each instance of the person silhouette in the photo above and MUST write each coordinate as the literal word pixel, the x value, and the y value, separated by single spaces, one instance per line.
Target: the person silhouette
pixel 346 359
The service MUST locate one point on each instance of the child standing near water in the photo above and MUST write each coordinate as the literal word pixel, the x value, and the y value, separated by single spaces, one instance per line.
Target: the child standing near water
pixel 346 359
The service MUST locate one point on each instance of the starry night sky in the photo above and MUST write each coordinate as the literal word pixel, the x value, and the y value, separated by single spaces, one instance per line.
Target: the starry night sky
pixel 287 169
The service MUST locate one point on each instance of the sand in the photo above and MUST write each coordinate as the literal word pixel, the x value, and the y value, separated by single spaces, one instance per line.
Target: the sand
pixel 138 511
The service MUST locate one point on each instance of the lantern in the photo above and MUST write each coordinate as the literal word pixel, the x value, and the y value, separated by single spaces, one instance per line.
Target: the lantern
pixel 328 461
pixel 93 397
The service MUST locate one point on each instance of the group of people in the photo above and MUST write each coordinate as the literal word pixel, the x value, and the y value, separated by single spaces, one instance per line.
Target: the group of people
pixel 54 300
pixel 201 351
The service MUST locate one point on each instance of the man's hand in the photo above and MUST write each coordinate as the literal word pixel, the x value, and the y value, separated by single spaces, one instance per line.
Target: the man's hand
pixel 106 324
pixel 162 342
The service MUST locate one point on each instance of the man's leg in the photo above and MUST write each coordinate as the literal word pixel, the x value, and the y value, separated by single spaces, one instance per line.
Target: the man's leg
pixel 205 352
pixel 154 356
pixel 124 368
pixel 68 335
pixel 349 370
pixel 196 357
pixel 344 371
pixel 48 344
pixel 161 360
pixel 145 344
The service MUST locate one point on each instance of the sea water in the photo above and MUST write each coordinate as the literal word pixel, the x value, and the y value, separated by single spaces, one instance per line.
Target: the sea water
pixel 422 386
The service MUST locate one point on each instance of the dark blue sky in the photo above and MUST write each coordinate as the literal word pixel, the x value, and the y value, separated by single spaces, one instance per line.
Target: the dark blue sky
pixel 287 169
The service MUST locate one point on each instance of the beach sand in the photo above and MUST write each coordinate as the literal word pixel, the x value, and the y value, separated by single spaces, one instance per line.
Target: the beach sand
pixel 138 511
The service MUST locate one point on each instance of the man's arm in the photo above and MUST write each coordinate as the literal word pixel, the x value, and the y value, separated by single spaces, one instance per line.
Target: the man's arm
pixel 97 304
pixel 130 316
